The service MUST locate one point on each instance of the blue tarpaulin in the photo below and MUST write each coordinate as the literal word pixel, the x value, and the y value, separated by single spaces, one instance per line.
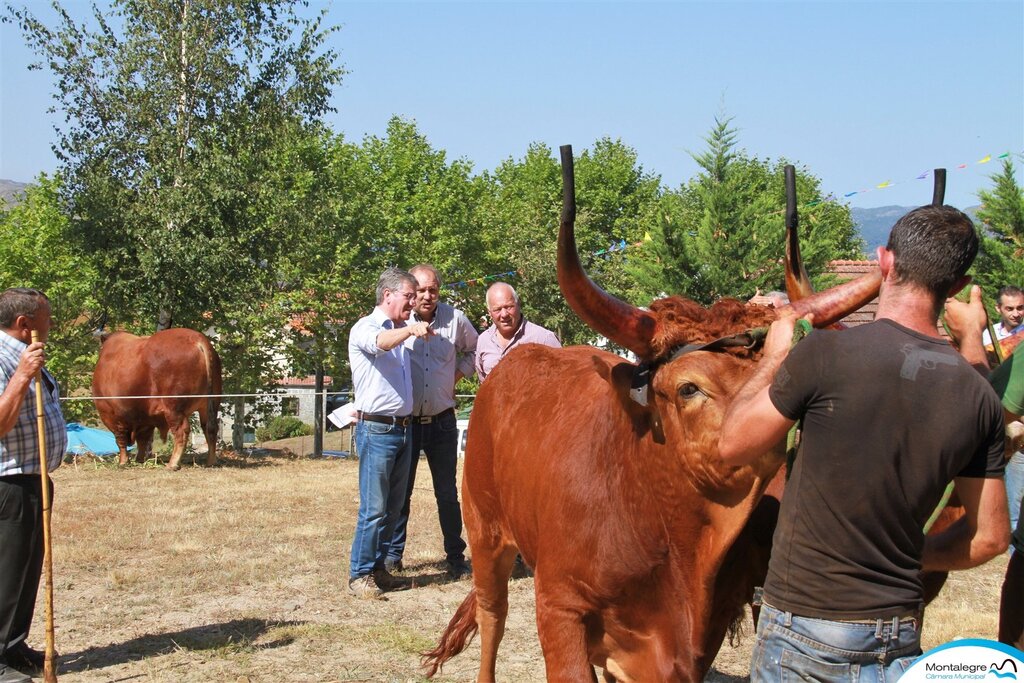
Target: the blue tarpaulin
pixel 88 440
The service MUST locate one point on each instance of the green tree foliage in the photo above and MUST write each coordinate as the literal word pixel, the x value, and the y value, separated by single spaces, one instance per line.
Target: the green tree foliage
pixel 616 201
pixel 392 200
pixel 177 115
pixel 722 233
pixel 36 253
pixel 423 202
pixel 1001 258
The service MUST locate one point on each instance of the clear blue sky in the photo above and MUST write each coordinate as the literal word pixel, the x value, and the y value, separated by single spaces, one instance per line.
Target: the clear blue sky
pixel 859 92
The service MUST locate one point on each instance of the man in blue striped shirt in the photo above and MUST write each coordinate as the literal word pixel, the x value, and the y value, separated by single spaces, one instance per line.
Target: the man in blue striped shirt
pixel 21 506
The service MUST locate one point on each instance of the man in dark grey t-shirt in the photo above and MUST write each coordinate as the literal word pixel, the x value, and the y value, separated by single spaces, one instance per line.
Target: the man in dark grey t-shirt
pixel 890 414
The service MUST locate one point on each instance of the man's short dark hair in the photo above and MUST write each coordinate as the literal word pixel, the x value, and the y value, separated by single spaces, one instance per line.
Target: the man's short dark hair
pixel 19 301
pixel 1008 290
pixel 933 247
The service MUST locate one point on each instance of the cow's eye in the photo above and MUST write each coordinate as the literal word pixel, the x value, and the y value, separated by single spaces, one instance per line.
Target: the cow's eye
pixel 690 390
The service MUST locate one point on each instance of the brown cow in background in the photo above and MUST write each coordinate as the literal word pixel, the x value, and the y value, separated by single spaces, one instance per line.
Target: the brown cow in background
pixel 179 364
pixel 604 475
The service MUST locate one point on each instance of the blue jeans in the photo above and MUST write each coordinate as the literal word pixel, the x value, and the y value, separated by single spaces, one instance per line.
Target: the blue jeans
pixel 1015 486
pixel 792 648
pixel 439 440
pixel 383 472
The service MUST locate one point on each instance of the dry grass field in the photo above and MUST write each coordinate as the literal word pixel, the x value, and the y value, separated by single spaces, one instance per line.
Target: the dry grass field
pixel 238 573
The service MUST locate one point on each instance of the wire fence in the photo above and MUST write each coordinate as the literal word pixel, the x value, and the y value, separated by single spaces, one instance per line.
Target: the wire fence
pixel 237 420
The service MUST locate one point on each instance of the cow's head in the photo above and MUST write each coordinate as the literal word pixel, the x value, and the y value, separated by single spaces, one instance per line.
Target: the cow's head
pixel 692 359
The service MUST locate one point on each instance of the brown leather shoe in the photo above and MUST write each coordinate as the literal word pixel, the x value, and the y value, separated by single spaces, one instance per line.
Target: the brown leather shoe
pixel 365 588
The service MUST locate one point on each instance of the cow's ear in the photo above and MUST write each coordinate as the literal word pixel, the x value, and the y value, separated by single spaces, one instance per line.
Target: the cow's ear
pixel 645 417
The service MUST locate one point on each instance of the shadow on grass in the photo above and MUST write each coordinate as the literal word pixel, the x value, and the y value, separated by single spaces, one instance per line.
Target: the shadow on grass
pixel 237 633
pixel 423 574
pixel 714 676
pixel 251 459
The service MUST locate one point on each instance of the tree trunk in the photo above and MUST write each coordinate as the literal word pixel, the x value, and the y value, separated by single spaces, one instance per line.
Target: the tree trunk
pixel 163 319
pixel 238 428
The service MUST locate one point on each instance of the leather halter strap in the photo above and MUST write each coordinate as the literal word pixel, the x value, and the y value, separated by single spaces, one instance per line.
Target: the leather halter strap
pixel 644 372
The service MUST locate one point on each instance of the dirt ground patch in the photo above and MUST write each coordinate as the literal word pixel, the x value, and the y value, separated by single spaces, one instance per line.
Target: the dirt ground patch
pixel 238 573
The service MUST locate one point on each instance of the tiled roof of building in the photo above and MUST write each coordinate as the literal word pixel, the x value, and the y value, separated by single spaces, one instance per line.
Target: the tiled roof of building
pixel 847 270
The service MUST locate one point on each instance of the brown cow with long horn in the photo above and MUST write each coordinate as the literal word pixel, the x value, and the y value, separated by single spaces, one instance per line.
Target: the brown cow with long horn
pixel 603 475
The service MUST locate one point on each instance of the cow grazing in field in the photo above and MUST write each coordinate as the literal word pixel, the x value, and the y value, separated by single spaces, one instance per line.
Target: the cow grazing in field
pixel 604 476
pixel 178 364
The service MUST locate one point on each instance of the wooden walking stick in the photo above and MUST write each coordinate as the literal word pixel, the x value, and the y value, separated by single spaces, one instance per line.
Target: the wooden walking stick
pixel 49 668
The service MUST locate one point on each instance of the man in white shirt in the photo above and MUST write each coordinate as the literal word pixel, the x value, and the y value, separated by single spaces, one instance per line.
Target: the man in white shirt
pixel 1010 303
pixel 382 379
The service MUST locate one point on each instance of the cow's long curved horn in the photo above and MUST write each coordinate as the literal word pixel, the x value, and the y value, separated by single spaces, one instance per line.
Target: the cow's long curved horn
pixel 833 304
pixel 798 285
pixel 939 190
pixel 626 325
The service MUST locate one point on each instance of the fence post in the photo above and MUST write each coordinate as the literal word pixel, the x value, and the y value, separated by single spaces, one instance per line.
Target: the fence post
pixel 318 412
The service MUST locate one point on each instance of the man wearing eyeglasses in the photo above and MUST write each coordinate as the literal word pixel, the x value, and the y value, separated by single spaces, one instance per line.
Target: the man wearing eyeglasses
pixel 382 379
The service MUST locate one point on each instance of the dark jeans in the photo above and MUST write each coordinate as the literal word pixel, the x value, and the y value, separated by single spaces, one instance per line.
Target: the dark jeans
pixel 21 553
pixel 440 441
pixel 1011 603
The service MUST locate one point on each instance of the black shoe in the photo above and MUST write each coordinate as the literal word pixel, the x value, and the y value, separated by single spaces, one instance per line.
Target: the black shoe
pixel 458 570
pixel 8 674
pixel 24 658
pixel 394 566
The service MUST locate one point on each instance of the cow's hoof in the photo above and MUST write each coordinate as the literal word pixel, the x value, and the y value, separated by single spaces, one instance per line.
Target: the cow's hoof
pixel 173 468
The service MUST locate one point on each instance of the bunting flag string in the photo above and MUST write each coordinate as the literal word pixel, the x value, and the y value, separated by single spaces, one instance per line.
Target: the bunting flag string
pixel 926 174
pixel 621 245
pixel 486 279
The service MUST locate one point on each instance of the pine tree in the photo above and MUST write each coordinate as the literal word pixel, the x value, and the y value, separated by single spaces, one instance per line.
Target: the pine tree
pixel 1001 257
pixel 722 233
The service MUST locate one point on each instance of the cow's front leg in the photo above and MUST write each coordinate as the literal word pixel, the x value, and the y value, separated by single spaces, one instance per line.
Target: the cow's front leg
pixel 563 639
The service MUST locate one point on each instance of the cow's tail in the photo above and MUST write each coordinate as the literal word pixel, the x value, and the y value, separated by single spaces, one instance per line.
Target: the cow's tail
pixel 213 389
pixel 455 638
pixel 213 373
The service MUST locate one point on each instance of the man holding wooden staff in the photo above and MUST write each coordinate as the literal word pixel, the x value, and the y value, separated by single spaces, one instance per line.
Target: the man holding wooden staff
pixel 23 311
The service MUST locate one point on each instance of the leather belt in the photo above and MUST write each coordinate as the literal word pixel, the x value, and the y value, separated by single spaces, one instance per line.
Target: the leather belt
pixel 427 419
pixel 907 616
pixel 402 421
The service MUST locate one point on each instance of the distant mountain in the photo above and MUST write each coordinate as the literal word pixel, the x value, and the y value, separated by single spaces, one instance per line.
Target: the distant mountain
pixel 874 225
pixel 10 193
